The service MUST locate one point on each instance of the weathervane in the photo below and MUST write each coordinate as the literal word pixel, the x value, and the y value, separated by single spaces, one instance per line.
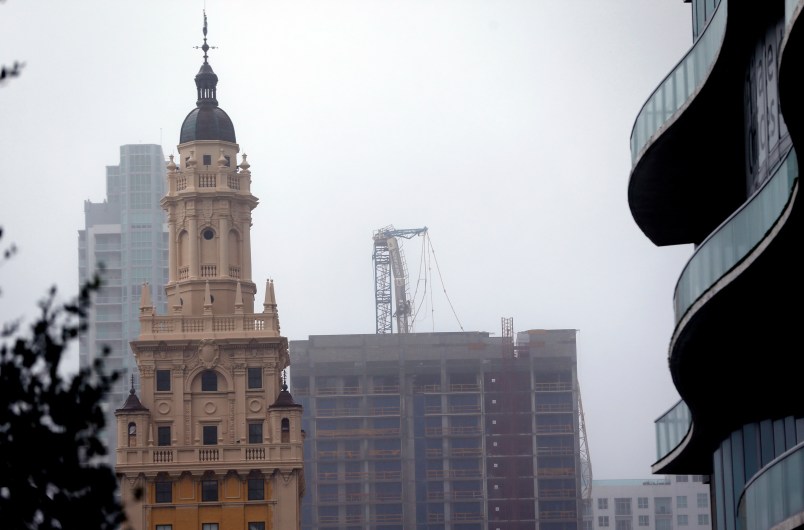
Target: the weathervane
pixel 206 47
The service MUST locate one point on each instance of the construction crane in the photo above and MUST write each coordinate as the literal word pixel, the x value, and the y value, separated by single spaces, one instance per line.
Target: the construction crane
pixel 389 262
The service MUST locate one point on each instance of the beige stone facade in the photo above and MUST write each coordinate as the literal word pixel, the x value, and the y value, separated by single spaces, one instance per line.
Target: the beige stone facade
pixel 213 441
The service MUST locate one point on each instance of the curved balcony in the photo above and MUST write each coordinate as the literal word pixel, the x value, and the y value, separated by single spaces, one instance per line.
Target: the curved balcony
pixel 735 239
pixel 679 85
pixel 774 498
pixel 671 429
pixel 684 139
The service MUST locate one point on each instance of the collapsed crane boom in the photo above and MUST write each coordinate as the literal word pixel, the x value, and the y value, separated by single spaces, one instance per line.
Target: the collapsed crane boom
pixel 389 264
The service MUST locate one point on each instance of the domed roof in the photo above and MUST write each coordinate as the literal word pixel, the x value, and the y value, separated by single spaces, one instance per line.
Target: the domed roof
pixel 207 121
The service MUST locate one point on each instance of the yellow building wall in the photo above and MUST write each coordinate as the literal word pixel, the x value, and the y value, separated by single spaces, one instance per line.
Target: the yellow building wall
pixel 232 511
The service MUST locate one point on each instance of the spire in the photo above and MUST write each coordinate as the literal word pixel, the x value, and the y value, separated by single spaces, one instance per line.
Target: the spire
pixel 205 80
pixel 205 47
pixel 270 301
pixel 132 403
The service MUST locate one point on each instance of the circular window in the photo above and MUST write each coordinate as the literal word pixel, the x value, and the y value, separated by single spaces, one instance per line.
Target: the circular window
pixel 208 234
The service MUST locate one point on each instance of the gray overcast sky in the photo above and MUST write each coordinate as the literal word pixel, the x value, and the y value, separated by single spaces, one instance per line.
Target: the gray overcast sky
pixel 503 126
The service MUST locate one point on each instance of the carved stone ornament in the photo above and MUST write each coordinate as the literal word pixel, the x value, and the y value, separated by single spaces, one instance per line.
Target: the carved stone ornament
pixel 208 353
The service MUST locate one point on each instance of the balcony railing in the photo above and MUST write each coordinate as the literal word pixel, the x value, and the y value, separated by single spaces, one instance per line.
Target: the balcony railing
pixel 186 456
pixel 552 387
pixel 257 323
pixel 775 495
pixel 671 429
pixel 680 84
pixel 357 433
pixel 554 429
pixel 736 237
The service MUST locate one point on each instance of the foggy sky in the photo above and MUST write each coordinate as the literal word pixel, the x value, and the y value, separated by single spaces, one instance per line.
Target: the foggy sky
pixel 501 126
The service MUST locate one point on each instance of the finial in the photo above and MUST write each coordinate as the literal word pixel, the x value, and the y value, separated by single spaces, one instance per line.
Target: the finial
pixel 284 381
pixel 244 164
pixel 171 165
pixel 132 391
pixel 205 47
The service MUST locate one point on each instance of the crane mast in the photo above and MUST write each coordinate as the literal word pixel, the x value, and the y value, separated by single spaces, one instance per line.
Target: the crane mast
pixel 390 274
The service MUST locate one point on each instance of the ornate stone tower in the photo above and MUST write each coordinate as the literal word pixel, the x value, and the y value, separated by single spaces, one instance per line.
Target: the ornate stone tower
pixel 214 441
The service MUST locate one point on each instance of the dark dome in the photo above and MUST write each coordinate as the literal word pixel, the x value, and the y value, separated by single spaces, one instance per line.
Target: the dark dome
pixel 207 122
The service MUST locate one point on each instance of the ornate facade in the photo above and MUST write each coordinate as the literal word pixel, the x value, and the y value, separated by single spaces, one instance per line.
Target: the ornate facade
pixel 214 440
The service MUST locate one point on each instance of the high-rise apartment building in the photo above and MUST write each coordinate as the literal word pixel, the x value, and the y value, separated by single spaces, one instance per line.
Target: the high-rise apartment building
pixel 213 439
pixel 714 164
pixel 679 502
pixel 127 235
pixel 440 431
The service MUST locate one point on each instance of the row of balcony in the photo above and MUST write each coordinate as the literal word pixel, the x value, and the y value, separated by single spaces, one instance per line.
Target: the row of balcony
pixel 427 389
pixel 359 498
pixel 348 412
pixel 207 271
pixel 158 325
pixel 359 475
pixel 186 455
pixel 359 519
pixel 200 179
pixel 465 430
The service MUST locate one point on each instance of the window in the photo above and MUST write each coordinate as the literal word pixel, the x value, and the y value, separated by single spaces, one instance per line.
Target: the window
pixel 255 433
pixel 602 520
pixel 682 478
pixel 586 524
pixel 209 490
pixel 698 478
pixel 163 435
pixel 703 519
pixel 163 380
pixel 622 506
pixel 644 520
pixel 209 526
pixel 256 489
pixel 164 490
pixel 663 504
pixel 623 524
pixel 664 523
pixel 228 164
pixel 209 381
pixel 286 431
pixel 642 502
pixel 207 160
pixel 682 519
pixel 681 501
pixel 602 504
pixel 254 378
pixel 210 434
pixel 703 500
pixel 164 527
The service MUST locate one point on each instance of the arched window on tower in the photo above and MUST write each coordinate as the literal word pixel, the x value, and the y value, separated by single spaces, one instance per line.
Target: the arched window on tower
pixel 132 434
pixel 209 381
pixel 285 431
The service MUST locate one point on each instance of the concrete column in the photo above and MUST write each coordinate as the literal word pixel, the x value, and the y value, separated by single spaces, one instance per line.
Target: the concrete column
pixel 173 251
pixel 194 256
pixel 246 263
pixel 223 247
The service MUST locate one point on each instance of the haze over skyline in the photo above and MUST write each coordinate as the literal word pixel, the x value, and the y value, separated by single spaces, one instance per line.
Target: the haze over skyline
pixel 502 127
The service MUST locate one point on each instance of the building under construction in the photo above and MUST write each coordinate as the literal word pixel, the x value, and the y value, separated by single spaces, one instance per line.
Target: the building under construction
pixel 442 431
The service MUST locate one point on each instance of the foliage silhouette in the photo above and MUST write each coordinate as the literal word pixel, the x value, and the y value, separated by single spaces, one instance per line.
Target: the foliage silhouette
pixel 50 474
